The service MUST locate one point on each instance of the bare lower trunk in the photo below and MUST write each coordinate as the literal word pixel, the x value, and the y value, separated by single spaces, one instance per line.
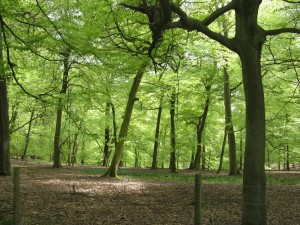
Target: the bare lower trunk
pixel 222 151
pixel 28 136
pixel 156 141
pixel 106 136
pixel 4 120
pixel 173 133
pixel 59 111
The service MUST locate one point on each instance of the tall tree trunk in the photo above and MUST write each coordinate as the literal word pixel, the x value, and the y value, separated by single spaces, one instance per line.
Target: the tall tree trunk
pixel 113 169
pixel 251 38
pixel 156 141
pixel 74 149
pixel 28 135
pixel 203 158
pixel 59 111
pixel 287 158
pixel 229 125
pixel 222 152
pixel 173 133
pixel 14 116
pixel 106 136
pixel 241 154
pixel 4 120
pixel 200 129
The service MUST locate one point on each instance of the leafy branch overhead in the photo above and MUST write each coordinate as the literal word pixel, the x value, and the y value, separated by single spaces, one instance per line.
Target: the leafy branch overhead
pixel 161 18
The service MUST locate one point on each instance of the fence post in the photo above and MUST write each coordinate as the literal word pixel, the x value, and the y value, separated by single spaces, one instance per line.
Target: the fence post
pixel 197 205
pixel 16 204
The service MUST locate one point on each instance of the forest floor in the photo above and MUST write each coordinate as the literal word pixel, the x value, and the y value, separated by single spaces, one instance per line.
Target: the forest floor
pixel 72 196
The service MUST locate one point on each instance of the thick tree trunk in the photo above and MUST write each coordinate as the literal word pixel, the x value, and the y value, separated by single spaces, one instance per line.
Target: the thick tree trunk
pixel 156 141
pixel 173 133
pixel 229 125
pixel 4 120
pixel 113 169
pixel 59 111
pixel 250 38
pixel 28 136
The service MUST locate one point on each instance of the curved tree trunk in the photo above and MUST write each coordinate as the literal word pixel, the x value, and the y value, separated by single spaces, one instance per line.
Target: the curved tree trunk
pixel 4 120
pixel 113 169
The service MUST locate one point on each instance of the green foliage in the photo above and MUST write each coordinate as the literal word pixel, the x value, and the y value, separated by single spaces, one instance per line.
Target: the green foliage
pixel 5 221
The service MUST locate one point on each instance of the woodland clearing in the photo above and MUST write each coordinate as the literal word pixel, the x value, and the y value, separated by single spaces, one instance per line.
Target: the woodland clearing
pixel 72 195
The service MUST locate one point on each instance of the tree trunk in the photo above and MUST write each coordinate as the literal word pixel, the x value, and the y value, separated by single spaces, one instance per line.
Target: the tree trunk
pixel 28 136
pixel 74 149
pixel 59 111
pixel 173 133
pixel 203 158
pixel 4 120
pixel 241 154
pixel 251 38
pixel 106 136
pixel 287 158
pixel 156 141
pixel 229 125
pixel 200 129
pixel 113 169
pixel 222 152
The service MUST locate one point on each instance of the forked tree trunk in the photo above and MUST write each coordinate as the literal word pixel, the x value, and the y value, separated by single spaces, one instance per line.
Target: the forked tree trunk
pixel 200 130
pixel 156 141
pixel 59 112
pixel 229 125
pixel 4 120
pixel 113 169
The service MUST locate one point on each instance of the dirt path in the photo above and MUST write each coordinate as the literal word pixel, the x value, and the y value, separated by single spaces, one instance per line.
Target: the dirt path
pixel 68 196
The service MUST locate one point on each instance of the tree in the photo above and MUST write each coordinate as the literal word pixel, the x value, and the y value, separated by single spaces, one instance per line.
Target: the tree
pixel 157 133
pixel 4 120
pixel 113 169
pixel 59 111
pixel 173 131
pixel 247 43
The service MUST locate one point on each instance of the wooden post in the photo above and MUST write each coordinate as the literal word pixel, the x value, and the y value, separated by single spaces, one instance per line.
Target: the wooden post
pixel 16 204
pixel 197 207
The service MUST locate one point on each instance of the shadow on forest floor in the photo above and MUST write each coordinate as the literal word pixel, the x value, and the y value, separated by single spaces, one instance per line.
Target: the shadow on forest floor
pixel 80 196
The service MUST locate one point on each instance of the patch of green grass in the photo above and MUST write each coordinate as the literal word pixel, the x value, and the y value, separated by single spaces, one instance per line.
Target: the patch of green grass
pixel 166 176
pixel 4 221
pixel 285 179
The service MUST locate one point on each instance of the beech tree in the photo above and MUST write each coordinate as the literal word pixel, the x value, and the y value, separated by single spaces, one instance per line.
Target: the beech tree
pixel 4 121
pixel 247 43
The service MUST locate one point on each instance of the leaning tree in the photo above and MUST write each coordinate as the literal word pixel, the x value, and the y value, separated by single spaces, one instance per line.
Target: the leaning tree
pixel 247 43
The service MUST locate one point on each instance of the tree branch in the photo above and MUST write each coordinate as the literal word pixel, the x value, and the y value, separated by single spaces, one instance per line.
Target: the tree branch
pixel 191 24
pixel 282 30
pixel 215 15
